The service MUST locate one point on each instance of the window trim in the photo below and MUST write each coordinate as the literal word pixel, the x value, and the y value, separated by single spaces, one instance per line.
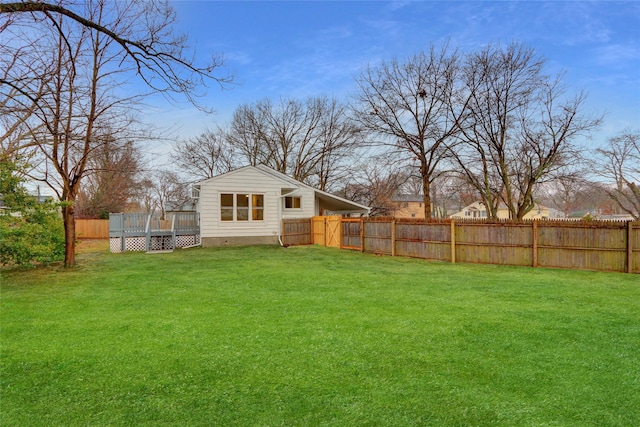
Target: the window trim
pixel 250 208
pixel 292 202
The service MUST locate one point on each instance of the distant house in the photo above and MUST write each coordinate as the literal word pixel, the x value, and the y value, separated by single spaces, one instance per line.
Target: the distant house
pixel 247 205
pixel 408 206
pixel 474 210
pixel 411 206
pixel 477 210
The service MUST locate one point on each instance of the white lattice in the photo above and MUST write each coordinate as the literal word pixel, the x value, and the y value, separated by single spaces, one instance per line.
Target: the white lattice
pixel 167 242
pixel 182 241
pixel 160 243
pixel 115 245
pixel 135 244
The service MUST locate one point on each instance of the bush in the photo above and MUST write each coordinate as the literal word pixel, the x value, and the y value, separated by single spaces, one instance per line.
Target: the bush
pixel 30 232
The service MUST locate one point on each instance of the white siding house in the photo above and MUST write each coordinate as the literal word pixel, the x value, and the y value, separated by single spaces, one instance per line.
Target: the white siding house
pixel 247 205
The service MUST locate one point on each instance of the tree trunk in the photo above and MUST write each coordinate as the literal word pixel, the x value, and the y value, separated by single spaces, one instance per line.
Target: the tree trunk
pixel 426 187
pixel 69 218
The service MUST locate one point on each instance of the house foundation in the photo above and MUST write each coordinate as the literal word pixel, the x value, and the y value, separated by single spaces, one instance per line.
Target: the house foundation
pixel 239 241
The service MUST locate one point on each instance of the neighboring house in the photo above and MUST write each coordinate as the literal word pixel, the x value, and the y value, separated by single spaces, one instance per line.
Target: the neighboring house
pixel 412 206
pixel 477 210
pixel 408 206
pixel 474 210
pixel 247 205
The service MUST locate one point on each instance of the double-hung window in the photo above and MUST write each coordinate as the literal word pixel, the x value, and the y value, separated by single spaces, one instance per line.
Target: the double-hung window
pixel 257 207
pixel 241 207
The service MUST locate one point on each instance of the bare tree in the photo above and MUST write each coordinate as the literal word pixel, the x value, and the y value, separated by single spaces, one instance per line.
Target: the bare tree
pixel 338 143
pixel 409 107
pixel 70 111
pixel 84 53
pixel 112 178
pixel 517 126
pixel 169 192
pixel 17 110
pixel 373 183
pixel 309 141
pixel 206 155
pixel 568 192
pixel 619 163
pixel 142 33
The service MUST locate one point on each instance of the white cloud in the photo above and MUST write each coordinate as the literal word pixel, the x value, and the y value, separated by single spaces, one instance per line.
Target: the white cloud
pixel 616 55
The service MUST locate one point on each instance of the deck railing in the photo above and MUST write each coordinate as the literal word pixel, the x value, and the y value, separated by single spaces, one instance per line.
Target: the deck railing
pixel 148 231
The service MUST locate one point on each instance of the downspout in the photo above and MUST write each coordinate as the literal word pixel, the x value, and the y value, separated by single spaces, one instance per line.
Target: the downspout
pixel 280 220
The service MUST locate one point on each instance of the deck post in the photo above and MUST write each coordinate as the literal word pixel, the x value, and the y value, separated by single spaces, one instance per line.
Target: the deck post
pixel 147 232
pixel 173 231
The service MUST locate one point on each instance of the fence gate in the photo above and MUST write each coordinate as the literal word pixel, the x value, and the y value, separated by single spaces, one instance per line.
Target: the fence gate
pixel 327 230
pixel 318 230
pixel 333 231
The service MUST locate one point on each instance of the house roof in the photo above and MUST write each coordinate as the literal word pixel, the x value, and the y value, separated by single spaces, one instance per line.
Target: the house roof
pixel 501 205
pixel 408 198
pixel 331 201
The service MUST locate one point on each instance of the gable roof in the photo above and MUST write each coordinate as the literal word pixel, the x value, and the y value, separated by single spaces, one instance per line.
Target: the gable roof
pixel 335 203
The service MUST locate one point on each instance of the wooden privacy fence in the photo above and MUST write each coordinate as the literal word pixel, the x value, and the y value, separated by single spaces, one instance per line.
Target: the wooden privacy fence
pixel 297 232
pixel 589 245
pixel 92 228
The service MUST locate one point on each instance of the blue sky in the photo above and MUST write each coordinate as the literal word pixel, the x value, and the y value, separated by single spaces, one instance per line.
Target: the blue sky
pixel 309 48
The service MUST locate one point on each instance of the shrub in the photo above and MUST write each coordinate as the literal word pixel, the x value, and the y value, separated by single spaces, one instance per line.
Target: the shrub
pixel 31 232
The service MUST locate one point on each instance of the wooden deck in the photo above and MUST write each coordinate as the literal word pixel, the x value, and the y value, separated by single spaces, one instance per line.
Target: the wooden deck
pixel 148 232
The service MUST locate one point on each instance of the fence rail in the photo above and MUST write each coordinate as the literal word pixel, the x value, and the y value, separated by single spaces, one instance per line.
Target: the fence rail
pixel 588 245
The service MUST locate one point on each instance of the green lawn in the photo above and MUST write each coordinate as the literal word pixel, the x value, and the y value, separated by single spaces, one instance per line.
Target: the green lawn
pixel 310 336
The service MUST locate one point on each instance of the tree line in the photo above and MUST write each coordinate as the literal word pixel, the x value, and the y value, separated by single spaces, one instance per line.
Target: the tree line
pixel 490 125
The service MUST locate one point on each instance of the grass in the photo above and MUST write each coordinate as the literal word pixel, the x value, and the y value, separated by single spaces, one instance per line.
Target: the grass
pixel 310 336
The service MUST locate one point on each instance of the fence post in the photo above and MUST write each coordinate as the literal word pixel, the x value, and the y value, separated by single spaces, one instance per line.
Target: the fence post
pixel 629 264
pixel 535 243
pixel 361 234
pixel 453 241
pixel 393 237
